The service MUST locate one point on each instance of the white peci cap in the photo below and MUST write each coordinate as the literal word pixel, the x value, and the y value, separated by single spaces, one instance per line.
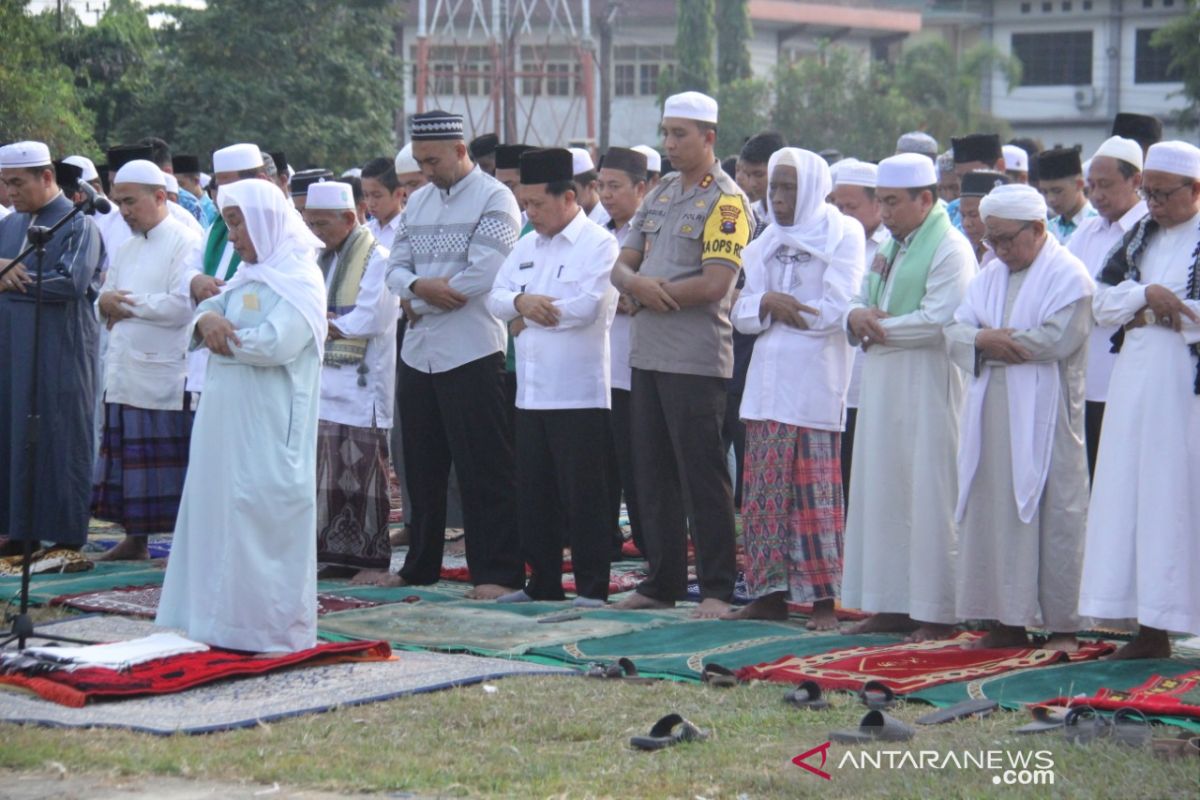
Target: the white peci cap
pixel 691 105
pixel 1015 158
pixel 86 164
pixel 581 161
pixel 1122 149
pixel 1178 158
pixel 24 154
pixel 852 172
pixel 141 171
pixel 405 161
pixel 330 196
pixel 906 171
pixel 653 158
pixel 237 157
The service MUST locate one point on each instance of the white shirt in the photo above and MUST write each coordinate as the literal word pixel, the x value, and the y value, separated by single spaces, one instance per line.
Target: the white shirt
pixel 566 366
pixel 145 364
pixel 1092 243
pixel 198 358
pixel 343 400
pixel 384 234
pixel 876 239
pixel 4 211
pixel 797 376
pixel 599 214
pixel 618 335
pixel 183 215
pixel 114 232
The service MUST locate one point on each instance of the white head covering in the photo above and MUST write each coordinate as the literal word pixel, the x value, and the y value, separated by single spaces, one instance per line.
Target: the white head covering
pixel 917 142
pixel 353 172
pixel 653 158
pixel 1016 201
pixel 141 171
pixel 1122 149
pixel 85 164
pixel 285 249
pixel 24 154
pixel 330 196
pixel 205 180
pixel 581 161
pixel 405 161
pixel 1178 158
pixel 172 183
pixel 906 171
pixel 1015 158
pixel 817 226
pixel 691 105
pixel 237 157
pixel 852 172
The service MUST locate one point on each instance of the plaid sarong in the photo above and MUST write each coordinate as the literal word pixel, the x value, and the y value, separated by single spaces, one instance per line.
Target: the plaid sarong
pixel 352 496
pixel 792 512
pixel 143 460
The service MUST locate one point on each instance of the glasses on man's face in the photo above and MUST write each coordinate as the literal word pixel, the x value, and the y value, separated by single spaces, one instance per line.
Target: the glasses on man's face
pixel 1005 239
pixel 1160 196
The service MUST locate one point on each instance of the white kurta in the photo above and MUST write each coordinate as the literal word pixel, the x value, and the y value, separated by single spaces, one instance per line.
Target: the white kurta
pixel 243 566
pixel 1142 558
pixel 871 246
pixel 900 529
pixel 1026 574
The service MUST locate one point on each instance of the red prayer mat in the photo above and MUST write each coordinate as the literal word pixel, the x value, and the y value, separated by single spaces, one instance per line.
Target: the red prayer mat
pixel 177 673
pixel 142 601
pixel 910 667
pixel 1160 697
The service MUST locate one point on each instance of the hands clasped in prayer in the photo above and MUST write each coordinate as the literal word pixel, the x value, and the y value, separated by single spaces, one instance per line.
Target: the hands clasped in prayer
pixel 652 293
pixel 998 344
pixel 217 333
pixel 864 324
pixel 116 306
pixel 1168 309
pixel 786 309
pixel 16 280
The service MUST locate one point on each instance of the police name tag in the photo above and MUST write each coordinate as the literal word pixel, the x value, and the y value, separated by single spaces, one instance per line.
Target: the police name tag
pixel 250 302
pixel 525 265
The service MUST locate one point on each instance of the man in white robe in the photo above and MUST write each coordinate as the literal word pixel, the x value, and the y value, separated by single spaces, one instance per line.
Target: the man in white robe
pixel 1021 338
pixel 1142 557
pixel 900 531
pixel 243 568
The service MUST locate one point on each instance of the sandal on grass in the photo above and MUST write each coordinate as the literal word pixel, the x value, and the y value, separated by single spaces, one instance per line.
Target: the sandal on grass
pixel 874 726
pixel 670 730
pixel 807 695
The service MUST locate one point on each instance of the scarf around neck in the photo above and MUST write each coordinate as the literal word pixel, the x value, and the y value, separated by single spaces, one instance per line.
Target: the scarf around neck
pixel 908 283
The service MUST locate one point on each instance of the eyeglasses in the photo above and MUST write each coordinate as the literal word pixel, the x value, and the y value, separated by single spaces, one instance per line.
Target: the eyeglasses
pixel 1004 240
pixel 1161 196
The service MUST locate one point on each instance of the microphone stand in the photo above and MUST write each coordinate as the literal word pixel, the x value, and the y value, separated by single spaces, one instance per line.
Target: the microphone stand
pixel 38 236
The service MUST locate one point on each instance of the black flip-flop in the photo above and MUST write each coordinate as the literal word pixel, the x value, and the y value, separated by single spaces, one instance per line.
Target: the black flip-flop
pixel 622 669
pixel 876 695
pixel 967 708
pixel 670 730
pixel 875 726
pixel 1045 718
pixel 717 676
pixel 1084 725
pixel 807 695
pixel 1131 728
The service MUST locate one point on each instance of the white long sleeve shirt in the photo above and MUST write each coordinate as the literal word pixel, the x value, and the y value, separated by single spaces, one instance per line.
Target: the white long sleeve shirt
pixel 565 366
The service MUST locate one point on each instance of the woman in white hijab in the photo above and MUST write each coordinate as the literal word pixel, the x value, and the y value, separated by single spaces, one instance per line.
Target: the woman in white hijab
pixel 801 274
pixel 242 573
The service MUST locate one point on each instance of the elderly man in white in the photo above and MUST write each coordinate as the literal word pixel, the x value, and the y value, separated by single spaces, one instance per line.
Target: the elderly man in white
pixel 1021 337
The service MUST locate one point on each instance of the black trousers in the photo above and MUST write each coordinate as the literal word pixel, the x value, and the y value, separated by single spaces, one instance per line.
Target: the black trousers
pixel 458 417
pixel 848 452
pixel 733 433
pixel 620 469
pixel 561 486
pixel 680 466
pixel 1093 420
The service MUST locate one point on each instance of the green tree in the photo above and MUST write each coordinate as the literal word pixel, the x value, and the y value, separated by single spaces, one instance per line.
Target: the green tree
pixel 315 79
pixel 1182 36
pixel 694 36
pixel 733 37
pixel 745 109
pixel 37 94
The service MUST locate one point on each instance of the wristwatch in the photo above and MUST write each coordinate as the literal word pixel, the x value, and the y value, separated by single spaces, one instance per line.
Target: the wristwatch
pixel 1149 316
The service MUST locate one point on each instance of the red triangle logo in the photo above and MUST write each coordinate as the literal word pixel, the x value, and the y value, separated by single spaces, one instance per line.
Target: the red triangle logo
pixel 823 749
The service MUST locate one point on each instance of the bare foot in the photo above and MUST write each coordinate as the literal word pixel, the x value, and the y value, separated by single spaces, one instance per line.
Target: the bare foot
pixel 928 631
pixel 823 618
pixel 371 577
pixel 640 602
pixel 1149 643
pixel 400 538
pixel 389 579
pixel 131 548
pixel 1000 636
pixel 772 606
pixel 1062 642
pixel 883 623
pixel 488 591
pixel 710 608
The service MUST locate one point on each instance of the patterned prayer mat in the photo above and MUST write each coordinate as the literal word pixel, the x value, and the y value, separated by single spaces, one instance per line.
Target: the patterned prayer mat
pixel 1176 696
pixel 910 667
pixel 142 601
pixel 104 576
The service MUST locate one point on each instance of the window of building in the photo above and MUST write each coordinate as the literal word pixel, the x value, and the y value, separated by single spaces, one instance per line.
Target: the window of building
pixel 648 83
pixel 624 80
pixel 559 80
pixel 638 69
pixel 1152 64
pixel 1054 59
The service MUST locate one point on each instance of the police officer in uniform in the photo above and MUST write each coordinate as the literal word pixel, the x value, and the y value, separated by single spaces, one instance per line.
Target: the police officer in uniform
pixel 678 265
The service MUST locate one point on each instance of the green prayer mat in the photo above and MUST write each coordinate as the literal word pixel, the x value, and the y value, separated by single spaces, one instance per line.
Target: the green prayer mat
pixel 104 576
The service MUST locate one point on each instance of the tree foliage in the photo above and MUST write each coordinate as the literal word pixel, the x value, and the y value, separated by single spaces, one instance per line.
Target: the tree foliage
pixel 694 36
pixel 1182 36
pixel 733 39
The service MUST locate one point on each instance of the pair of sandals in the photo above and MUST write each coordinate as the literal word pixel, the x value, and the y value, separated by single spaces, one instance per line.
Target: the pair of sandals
pixel 875 695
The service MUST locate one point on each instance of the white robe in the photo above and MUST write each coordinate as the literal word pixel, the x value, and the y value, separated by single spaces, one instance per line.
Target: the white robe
pixel 243 567
pixel 1142 558
pixel 1026 574
pixel 900 530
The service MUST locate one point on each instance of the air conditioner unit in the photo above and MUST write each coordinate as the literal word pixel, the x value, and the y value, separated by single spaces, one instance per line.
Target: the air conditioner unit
pixel 1085 96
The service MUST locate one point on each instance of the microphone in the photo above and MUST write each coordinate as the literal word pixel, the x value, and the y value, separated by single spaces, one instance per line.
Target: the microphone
pixel 94 202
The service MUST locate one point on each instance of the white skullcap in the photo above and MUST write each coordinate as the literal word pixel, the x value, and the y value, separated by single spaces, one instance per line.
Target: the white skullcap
pixel 917 142
pixel 1178 158
pixel 1085 168
pixel 1015 201
pixel 172 183
pixel 141 171
pixel 84 163
pixel 353 172
pixel 24 154
pixel 330 196
pixel 691 105
pixel 653 158
pixel 906 171
pixel 1015 158
pixel 237 157
pixel 405 161
pixel 1122 149
pixel 205 180
pixel 852 172
pixel 581 161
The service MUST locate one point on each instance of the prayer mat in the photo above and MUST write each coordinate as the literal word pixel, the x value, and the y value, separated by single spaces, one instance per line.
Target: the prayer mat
pixel 1177 696
pixel 142 601
pixel 910 667
pixel 47 561
pixel 159 545
pixel 173 674
pixel 105 575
